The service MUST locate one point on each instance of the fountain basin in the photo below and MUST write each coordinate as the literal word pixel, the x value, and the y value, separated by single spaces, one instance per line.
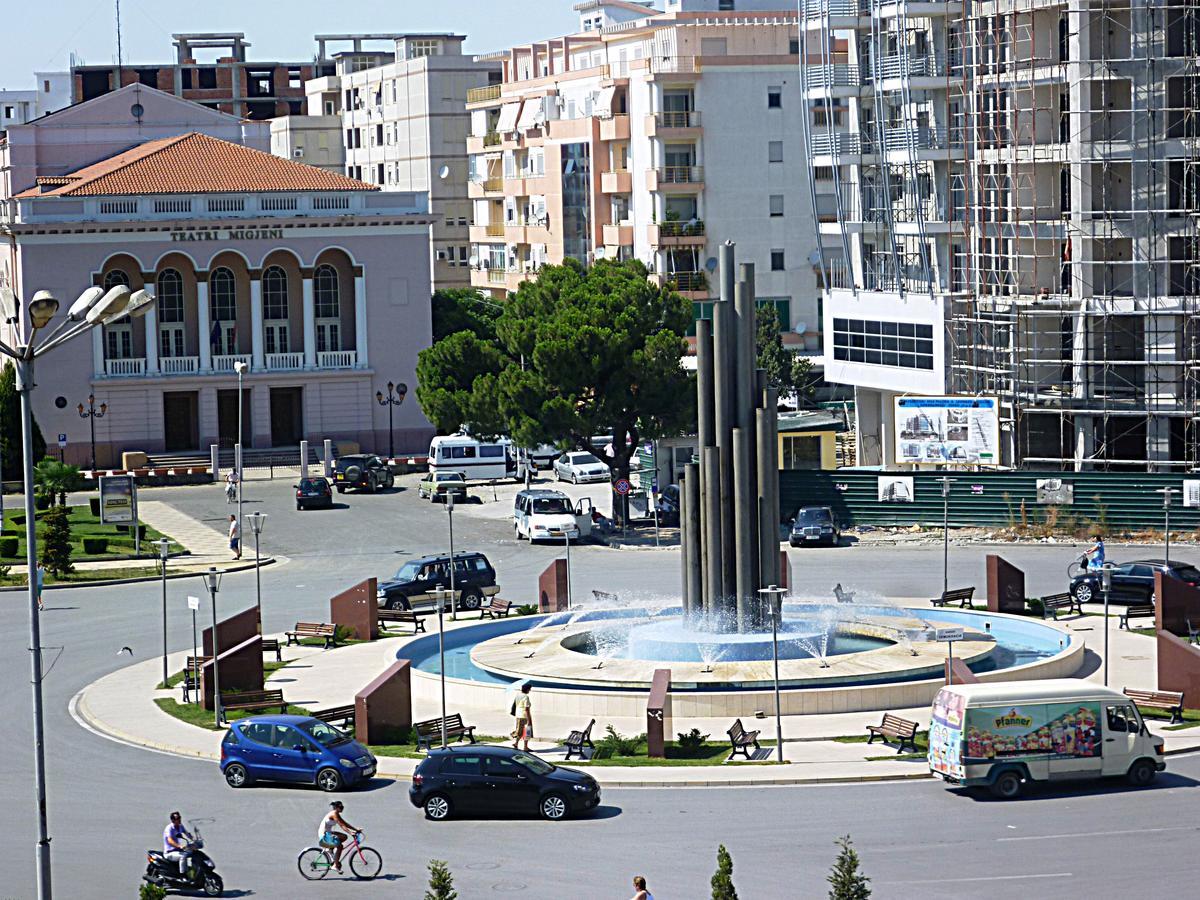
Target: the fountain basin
pixel 672 641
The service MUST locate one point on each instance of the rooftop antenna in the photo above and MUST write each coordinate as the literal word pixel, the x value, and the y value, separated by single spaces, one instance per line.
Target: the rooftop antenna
pixel 119 60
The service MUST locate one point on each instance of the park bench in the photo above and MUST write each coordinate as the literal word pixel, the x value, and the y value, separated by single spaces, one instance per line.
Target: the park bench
pixel 495 608
pixel 1141 611
pixel 961 596
pixel 431 730
pixel 742 740
pixel 271 645
pixel 894 728
pixel 1171 701
pixel 1052 603
pixel 253 700
pixel 403 617
pixel 191 675
pixel 336 715
pixel 576 740
pixel 313 630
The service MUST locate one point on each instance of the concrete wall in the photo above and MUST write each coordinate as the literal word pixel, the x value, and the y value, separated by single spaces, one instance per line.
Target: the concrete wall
pixel 383 709
pixel 240 669
pixel 1178 668
pixel 232 631
pixel 357 610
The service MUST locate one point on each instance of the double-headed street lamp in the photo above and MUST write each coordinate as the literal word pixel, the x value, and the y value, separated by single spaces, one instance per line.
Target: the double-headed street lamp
pixel 26 328
pixel 773 597
pixel 391 401
pixel 1106 585
pixel 92 414
pixel 239 451
pixel 1167 492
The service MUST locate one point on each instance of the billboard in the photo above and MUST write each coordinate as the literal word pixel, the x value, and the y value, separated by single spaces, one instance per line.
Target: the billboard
pixel 118 500
pixel 1056 730
pixel 947 430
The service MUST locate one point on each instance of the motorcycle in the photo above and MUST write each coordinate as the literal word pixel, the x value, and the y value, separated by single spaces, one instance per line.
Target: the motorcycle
pixel 201 874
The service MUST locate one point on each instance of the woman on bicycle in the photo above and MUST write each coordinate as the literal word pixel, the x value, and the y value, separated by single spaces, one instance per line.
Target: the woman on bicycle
pixel 329 837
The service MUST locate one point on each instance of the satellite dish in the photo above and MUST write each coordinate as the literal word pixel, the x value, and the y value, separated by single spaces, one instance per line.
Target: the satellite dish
pixel 801 327
pixel 444 172
pixel 711 264
pixel 474 261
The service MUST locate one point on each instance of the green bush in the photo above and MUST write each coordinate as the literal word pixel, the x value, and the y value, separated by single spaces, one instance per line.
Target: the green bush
pixel 1035 606
pixel 56 542
pixel 151 892
pixel 441 882
pixel 95 545
pixel 18 519
pixel 42 502
pixel 614 744
pixel 526 609
pixel 690 744
pixel 8 546
pixel 94 506
pixel 722 880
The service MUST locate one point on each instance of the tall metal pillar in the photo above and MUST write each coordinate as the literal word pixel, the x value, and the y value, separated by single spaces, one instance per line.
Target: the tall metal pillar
pixel 694 577
pixel 724 391
pixel 746 561
pixel 710 485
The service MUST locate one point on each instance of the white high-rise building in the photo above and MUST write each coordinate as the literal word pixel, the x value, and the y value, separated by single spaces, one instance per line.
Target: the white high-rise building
pixel 17 107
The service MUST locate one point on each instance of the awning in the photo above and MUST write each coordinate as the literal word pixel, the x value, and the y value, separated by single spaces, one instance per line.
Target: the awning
pixel 604 102
pixel 533 113
pixel 508 117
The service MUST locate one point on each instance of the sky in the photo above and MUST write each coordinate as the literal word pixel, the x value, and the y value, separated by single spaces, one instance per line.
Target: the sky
pixel 44 40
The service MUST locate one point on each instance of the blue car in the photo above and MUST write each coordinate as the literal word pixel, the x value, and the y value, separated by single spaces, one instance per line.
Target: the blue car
pixel 293 748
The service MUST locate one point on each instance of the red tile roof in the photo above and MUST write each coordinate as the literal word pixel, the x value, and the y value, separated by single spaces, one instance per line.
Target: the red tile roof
pixel 192 164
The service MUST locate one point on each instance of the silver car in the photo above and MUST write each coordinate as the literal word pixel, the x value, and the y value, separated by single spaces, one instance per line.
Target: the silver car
pixel 579 466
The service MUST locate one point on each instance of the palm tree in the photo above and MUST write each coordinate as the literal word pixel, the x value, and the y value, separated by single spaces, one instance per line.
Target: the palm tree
pixel 55 479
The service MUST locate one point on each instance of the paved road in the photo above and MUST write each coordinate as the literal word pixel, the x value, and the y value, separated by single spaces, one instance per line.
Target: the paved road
pixel 108 802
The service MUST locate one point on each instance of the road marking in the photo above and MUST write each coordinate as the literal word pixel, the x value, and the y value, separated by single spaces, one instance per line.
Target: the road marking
pixel 984 878
pixel 1044 837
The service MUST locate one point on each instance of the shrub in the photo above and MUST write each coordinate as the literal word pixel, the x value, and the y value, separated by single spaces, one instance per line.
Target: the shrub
pixel 8 546
pixel 526 609
pixel 94 506
pixel 149 891
pixel 42 502
pixel 615 744
pixel 95 545
pixel 692 743
pixel 441 882
pixel 722 880
pixel 846 882
pixel 56 542
pixel 1035 606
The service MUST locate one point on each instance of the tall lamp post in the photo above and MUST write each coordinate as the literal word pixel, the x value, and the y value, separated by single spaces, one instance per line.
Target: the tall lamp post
pixel 1167 492
pixel 1106 585
pixel 441 602
pixel 773 597
pixel 164 551
pixel 239 367
pixel 946 481
pixel 213 580
pixel 453 590
pixel 257 521
pixel 94 307
pixel 92 414
pixel 391 401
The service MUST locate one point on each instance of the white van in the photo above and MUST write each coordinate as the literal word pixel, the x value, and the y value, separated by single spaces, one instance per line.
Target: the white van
pixel 540 514
pixel 474 459
pixel 1004 735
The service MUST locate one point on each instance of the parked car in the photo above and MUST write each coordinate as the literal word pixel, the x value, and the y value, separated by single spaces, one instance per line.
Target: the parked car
pixel 814 525
pixel 540 514
pixel 668 506
pixel 483 779
pixel 414 586
pixel 363 471
pixel 579 466
pixel 314 493
pixel 1132 582
pixel 438 485
pixel 293 748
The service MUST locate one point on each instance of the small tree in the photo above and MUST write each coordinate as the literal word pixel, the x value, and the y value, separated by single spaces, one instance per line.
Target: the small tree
pixel 56 541
pixel 722 880
pixel 787 372
pixel 10 425
pixel 441 882
pixel 149 891
pixel 845 881
pixel 56 480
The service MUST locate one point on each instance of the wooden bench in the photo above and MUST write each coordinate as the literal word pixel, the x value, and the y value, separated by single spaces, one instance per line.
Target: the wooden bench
pixel 191 676
pixel 271 645
pixel 1052 603
pixel 961 596
pixel 576 740
pixel 313 630
pixel 336 715
pixel 253 700
pixel 1141 611
pixel 1171 701
pixel 495 608
pixel 431 730
pixel 403 617
pixel 895 728
pixel 742 740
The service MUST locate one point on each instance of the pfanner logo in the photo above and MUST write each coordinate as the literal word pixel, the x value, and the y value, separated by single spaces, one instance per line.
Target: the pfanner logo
pixel 1013 719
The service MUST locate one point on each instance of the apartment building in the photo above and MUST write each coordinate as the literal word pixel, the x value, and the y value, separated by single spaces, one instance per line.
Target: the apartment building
pixel 212 69
pixel 17 107
pixel 1017 217
pixel 656 136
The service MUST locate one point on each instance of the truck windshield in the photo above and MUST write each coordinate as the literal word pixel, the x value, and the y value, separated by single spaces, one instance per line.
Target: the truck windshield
pixel 408 571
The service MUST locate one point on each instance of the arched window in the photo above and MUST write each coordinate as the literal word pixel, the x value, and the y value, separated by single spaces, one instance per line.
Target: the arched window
pixel 326 292
pixel 170 296
pixel 222 295
pixel 115 277
pixel 118 335
pixel 275 293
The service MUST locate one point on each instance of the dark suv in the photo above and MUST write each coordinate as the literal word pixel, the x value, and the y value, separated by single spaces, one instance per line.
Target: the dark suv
pixel 415 585
pixel 363 471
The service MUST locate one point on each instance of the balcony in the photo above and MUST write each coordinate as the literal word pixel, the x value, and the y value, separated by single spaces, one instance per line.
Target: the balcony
pixel 499 279
pixel 483 94
pixel 337 359
pixel 476 144
pixel 226 363
pixel 522 184
pixel 123 368
pixel 479 187
pixel 673 124
pixel 670 177
pixel 484 234
pixel 615 128
pixel 828 78
pixel 179 365
pixel 618 235
pixel 283 362
pixel 618 182
pixel 905 65
pixel 676 234
pixel 693 285
pixel 682 66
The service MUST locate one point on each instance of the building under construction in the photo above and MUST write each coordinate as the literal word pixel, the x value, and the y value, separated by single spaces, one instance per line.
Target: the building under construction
pixel 1018 218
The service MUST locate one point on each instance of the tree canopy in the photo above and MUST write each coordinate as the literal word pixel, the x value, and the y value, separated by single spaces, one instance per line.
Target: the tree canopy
pixel 464 309
pixel 788 372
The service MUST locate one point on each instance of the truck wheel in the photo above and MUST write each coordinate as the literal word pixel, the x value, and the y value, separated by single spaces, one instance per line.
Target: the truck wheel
pixel 1141 773
pixel 1007 785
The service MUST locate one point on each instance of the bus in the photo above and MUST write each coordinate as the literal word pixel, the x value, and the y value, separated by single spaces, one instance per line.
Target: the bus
pixel 476 460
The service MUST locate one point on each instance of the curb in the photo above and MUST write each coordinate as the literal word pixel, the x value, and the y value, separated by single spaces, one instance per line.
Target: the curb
pixel 241 567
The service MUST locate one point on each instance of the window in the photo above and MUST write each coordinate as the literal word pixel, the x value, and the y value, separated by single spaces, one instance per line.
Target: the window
pixel 775 151
pixel 259 733
pixel 460 764
pixel 777 264
pixel 801 452
pixel 379 173
pixel 326 292
pixel 905 345
pixel 726 5
pixel 222 295
pixel 794 46
pixel 115 277
pixel 777 205
pixel 501 766
pixel 295 77
pixel 417 49
pixel 206 78
pixel 275 293
pixel 169 290
pixel 774 98
pixel 822 173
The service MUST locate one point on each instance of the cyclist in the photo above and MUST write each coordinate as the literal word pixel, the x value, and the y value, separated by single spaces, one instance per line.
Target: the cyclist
pixel 330 837
pixel 177 843
pixel 231 483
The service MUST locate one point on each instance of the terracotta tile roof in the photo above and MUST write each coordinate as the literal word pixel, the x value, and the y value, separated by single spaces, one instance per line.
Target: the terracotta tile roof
pixel 192 164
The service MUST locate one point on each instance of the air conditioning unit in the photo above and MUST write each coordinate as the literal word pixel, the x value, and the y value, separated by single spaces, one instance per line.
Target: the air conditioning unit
pixel 441 254
pixel 298 153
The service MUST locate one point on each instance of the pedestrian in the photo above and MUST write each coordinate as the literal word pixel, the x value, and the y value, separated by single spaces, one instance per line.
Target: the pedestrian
pixel 639 889
pixel 235 537
pixel 41 584
pixel 523 712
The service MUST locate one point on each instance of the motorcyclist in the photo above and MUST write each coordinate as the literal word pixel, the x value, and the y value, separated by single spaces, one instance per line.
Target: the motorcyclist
pixel 177 843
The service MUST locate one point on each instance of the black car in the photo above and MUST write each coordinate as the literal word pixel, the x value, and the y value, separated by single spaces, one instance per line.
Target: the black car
pixel 363 471
pixel 484 779
pixel 314 493
pixel 1132 582
pixel 814 525
pixel 415 585
pixel 668 506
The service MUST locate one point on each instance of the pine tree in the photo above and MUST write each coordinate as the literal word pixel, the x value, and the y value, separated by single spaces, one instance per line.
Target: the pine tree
pixel 441 882
pixel 845 881
pixel 722 880
pixel 56 541
pixel 10 426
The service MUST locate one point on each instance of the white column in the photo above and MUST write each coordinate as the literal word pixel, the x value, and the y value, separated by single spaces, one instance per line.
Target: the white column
pixel 151 320
pixel 98 351
pixel 204 326
pixel 360 319
pixel 256 324
pixel 310 324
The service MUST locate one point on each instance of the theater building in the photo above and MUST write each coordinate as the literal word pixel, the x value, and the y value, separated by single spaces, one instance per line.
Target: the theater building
pixel 317 282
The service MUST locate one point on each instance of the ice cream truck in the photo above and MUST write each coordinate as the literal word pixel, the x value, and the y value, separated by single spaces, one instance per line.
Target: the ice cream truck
pixel 1004 735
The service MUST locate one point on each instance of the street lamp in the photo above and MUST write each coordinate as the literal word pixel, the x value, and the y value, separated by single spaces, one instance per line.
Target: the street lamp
pixel 567 542
pixel 92 414
pixel 773 597
pixel 164 551
pixel 93 307
pixel 391 401
pixel 441 602
pixel 239 367
pixel 257 521
pixel 946 481
pixel 1106 585
pixel 213 580
pixel 453 591
pixel 1167 492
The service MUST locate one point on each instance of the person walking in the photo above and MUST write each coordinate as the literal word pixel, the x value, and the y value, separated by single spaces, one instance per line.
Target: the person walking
pixel 639 889
pixel 523 711
pixel 41 584
pixel 235 537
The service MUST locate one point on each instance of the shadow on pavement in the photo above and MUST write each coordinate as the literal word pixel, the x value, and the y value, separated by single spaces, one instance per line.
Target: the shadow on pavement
pixel 1064 790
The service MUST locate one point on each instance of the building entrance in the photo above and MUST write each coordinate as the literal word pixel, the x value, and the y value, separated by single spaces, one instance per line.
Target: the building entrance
pixel 227 418
pixel 181 421
pixel 287 416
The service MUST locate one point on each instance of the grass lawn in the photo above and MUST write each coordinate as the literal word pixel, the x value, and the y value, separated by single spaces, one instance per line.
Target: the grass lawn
pixel 195 714
pixel 409 749
pixel 1191 717
pixel 269 669
pixel 922 743
pixel 84 575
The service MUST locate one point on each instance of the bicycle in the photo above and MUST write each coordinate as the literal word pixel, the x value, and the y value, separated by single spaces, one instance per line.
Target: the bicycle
pixel 316 862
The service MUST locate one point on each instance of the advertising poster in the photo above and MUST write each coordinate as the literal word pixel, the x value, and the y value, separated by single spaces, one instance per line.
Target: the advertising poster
pixel 1055 491
pixel 1053 730
pixel 118 500
pixel 940 430
pixel 895 489
pixel 945 734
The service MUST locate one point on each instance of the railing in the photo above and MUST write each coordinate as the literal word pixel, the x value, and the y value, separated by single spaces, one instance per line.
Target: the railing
pixel 680 174
pixel 837 142
pixel 915 139
pixel 694 228
pixel 492 139
pixel 226 363
pixel 688 281
pixel 494 230
pixel 493 184
pixel 835 75
pixel 914 66
pixel 337 359
pixel 118 367
pixel 281 361
pixel 837 274
pixel 815 9
pixel 497 276
pixel 480 94
pixel 674 65
pixel 179 365
pixel 678 119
